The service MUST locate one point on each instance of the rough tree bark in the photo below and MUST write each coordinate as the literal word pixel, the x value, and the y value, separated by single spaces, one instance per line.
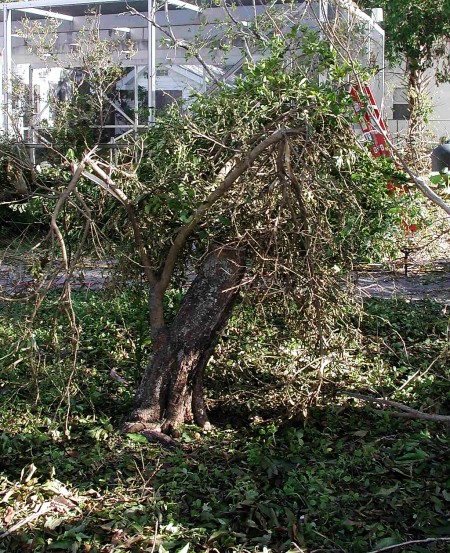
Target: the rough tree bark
pixel 416 141
pixel 417 84
pixel 171 390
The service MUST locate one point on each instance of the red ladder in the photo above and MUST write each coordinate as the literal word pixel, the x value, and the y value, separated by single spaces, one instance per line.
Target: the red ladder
pixel 372 134
pixel 376 136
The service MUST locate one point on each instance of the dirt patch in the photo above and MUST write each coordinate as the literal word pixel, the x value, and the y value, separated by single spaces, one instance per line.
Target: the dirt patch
pixel 424 282
pixel 427 279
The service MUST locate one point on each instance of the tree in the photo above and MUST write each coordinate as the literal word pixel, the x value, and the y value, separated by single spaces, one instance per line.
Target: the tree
pixel 87 89
pixel 417 34
pixel 262 189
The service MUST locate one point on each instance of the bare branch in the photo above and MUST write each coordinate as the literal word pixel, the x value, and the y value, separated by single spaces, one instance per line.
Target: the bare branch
pixel 413 413
pixel 406 543
pixel 59 205
pixel 108 185
pixel 187 46
pixel 420 183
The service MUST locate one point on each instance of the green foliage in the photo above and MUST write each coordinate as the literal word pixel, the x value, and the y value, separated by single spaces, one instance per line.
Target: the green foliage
pixel 418 32
pixel 13 159
pixel 441 179
pixel 41 358
pixel 345 477
pixel 376 233
pixel 413 337
pixel 315 201
pixel 188 155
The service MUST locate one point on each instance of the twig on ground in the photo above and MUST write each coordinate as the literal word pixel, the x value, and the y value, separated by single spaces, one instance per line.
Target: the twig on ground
pixel 420 373
pixel 405 543
pixel 413 413
pixel 155 536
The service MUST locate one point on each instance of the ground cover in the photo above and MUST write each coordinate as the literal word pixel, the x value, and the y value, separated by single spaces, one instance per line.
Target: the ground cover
pixel 348 477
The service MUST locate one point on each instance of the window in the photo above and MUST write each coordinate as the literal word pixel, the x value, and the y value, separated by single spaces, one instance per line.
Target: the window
pixel 400 107
pixel 167 97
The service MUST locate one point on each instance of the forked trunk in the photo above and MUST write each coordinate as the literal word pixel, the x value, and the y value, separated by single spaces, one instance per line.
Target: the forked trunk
pixel 171 390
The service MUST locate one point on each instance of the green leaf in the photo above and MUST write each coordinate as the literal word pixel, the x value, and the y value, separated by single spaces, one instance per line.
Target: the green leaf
pixel 436 178
pixel 418 455
pixel 137 438
pixel 385 542
pixel 384 492
pixel 63 544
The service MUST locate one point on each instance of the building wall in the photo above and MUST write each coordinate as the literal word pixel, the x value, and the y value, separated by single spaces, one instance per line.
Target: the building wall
pixel 396 102
pixel 440 119
pixel 46 80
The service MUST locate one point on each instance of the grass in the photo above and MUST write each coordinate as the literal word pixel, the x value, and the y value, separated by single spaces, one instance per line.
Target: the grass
pixel 349 477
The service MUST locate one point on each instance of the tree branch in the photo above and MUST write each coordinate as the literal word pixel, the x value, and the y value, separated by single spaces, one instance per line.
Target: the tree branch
pixel 177 42
pixel 59 205
pixel 239 168
pixel 413 413
pixel 420 183
pixel 405 543
pixel 108 185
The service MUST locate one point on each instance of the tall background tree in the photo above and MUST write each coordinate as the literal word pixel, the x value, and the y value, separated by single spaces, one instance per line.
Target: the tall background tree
pixel 418 38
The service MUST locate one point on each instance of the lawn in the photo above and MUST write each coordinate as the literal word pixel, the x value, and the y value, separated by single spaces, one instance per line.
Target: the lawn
pixel 342 475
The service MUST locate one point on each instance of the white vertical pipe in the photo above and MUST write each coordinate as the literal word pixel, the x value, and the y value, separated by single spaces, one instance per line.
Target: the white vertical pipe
pixel 32 121
pixel 151 62
pixel 323 11
pixel 323 18
pixel 6 67
pixel 383 70
pixel 136 98
pixel 2 73
pixel 3 113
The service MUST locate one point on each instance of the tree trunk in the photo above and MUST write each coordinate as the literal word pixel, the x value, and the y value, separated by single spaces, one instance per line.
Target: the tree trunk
pixel 416 96
pixel 171 390
pixel 419 111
